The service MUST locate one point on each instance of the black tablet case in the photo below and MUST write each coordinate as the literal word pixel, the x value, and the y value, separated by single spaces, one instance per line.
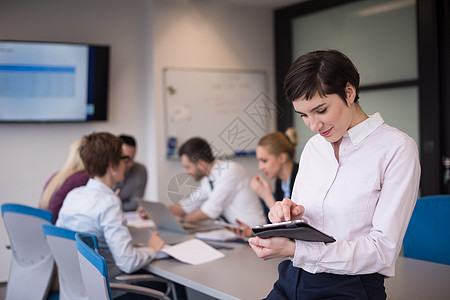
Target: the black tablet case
pixel 302 231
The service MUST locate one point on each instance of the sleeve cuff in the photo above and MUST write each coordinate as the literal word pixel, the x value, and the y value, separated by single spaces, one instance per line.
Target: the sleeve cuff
pixel 188 206
pixel 307 254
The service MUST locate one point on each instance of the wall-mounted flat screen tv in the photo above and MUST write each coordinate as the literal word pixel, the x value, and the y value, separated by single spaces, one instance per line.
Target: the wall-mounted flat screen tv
pixel 53 82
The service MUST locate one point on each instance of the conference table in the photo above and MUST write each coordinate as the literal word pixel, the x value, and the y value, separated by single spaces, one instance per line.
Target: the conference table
pixel 242 275
pixel 238 275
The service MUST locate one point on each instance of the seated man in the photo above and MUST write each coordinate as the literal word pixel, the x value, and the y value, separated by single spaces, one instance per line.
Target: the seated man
pixel 224 192
pixel 133 186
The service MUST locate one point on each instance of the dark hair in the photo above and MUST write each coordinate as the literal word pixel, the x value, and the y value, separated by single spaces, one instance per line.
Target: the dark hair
pixel 197 149
pixel 100 150
pixel 321 72
pixel 128 140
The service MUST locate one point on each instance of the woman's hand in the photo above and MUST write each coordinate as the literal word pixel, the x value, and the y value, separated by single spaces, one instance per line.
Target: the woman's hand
pixel 285 210
pixel 242 230
pixel 141 213
pixel 155 242
pixel 262 188
pixel 272 247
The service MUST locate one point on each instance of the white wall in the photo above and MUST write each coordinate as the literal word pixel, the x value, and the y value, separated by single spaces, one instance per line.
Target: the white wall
pixel 205 34
pixel 30 153
pixel 145 36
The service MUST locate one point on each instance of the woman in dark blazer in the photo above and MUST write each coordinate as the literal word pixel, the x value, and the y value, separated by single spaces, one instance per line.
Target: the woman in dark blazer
pixel 275 153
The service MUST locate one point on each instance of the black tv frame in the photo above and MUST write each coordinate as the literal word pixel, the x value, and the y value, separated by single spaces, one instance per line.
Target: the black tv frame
pixel 98 81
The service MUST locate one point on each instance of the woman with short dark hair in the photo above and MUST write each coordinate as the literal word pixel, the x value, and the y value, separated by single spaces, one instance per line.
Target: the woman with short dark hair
pixel 358 181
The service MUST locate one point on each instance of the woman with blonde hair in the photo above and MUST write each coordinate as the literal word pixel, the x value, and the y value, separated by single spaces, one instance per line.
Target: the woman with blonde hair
pixel 71 175
pixel 275 153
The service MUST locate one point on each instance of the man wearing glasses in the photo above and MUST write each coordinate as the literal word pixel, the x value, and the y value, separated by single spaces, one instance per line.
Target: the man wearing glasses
pixel 133 186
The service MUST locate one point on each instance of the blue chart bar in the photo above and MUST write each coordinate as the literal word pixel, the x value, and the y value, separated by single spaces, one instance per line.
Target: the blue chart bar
pixel 30 68
pixel 31 81
pixel 245 153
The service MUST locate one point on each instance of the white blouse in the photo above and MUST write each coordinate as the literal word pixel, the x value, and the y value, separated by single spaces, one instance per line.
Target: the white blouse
pixel 95 209
pixel 364 200
pixel 231 197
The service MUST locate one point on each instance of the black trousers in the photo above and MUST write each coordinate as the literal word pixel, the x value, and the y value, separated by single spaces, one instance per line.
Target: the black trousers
pixel 295 283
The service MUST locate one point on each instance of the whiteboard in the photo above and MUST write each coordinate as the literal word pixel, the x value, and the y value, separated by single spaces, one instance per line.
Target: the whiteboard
pixel 230 109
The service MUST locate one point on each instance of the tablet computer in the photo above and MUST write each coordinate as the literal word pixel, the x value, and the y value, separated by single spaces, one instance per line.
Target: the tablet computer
pixel 296 230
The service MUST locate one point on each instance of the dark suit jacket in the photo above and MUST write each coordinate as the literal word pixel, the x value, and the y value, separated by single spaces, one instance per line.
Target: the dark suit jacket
pixel 278 191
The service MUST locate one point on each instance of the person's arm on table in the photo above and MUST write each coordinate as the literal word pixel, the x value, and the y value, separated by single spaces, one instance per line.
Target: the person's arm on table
pixel 127 257
pixel 195 216
pixel 155 242
pixel 177 210
pixel 190 203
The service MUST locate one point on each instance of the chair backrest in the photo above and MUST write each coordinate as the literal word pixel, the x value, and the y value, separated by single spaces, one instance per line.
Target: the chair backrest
pixel 93 268
pixel 32 262
pixel 427 236
pixel 63 246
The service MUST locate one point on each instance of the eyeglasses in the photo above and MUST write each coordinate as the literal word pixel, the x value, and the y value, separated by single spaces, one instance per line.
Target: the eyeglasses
pixel 126 158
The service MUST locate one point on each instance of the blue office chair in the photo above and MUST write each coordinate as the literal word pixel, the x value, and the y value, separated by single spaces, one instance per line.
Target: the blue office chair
pixel 32 263
pixel 95 274
pixel 64 249
pixel 427 236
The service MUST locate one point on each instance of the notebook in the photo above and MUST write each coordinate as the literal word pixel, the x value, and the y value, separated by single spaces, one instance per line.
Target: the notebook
pixel 168 227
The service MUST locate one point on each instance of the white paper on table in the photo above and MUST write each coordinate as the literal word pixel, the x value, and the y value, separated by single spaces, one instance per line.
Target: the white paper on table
pixel 220 235
pixel 141 224
pixel 193 252
pixel 131 215
pixel 134 220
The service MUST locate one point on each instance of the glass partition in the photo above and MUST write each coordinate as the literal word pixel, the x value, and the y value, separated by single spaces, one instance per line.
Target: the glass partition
pixel 380 38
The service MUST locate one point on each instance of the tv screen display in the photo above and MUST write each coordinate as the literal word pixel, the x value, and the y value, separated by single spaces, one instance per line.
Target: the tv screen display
pixel 53 82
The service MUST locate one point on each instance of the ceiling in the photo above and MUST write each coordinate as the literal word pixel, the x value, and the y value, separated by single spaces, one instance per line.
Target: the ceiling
pixel 273 4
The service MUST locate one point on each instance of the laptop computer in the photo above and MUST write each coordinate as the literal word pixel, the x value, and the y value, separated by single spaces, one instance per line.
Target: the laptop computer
pixel 168 227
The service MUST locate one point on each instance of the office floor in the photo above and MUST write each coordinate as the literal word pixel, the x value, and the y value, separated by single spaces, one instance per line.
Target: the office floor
pixel 192 294
pixel 2 290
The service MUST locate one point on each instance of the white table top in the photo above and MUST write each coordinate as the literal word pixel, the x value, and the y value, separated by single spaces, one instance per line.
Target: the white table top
pixel 242 275
pixel 419 279
pixel 239 275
